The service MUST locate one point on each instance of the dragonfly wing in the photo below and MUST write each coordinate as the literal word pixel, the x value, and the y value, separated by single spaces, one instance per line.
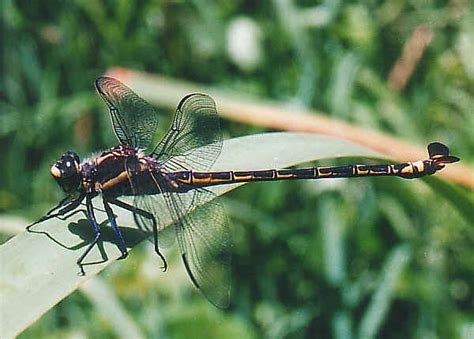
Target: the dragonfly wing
pixel 133 119
pixel 202 232
pixel 148 197
pixel 158 208
pixel 194 140
pixel 205 243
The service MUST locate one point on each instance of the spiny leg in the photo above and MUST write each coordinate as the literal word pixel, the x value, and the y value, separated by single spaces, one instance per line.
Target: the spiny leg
pixel 149 216
pixel 95 225
pixel 66 209
pixel 121 242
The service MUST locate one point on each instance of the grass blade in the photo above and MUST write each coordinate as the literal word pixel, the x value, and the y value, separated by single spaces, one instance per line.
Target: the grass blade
pixel 38 271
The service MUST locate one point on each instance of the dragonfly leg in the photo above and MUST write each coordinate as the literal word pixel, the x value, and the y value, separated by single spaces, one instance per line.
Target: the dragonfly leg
pixel 149 216
pixel 95 225
pixel 121 242
pixel 65 206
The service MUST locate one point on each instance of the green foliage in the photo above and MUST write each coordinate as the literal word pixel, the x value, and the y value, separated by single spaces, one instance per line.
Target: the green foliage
pixel 368 257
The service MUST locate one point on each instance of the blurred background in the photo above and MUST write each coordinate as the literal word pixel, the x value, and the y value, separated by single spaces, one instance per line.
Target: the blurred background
pixel 345 258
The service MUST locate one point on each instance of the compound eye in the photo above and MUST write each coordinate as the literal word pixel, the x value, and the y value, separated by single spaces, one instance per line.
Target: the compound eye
pixel 66 173
pixel 76 158
pixel 69 167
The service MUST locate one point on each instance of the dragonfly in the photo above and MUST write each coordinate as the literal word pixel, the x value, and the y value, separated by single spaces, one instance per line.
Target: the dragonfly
pixel 170 180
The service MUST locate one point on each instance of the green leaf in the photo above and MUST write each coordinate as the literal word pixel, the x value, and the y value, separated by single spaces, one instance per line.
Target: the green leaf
pixel 460 199
pixel 37 270
pixel 381 300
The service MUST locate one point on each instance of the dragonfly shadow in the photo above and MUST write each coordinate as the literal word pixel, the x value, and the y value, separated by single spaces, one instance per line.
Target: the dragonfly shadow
pixel 84 230
pixel 53 239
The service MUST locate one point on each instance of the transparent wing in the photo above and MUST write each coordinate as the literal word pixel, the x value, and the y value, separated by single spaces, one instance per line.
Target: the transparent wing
pixel 201 228
pixel 205 243
pixel 148 196
pixel 194 140
pixel 133 119
pixel 157 206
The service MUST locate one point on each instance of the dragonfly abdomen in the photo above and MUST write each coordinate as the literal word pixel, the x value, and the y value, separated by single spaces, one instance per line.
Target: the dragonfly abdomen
pixel 406 170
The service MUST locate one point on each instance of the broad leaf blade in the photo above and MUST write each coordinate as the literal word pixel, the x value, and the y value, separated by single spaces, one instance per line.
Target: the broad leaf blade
pixel 37 272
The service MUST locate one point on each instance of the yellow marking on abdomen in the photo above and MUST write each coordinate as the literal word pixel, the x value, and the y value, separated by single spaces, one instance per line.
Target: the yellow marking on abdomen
pixel 219 181
pixel 285 176
pixel 243 178
pixel 419 165
pixel 205 180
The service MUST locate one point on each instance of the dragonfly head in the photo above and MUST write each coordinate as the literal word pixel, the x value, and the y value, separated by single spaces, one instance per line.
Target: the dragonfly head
pixel 67 172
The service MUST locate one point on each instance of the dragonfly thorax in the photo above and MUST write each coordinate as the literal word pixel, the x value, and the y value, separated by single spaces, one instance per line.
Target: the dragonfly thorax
pixel 113 171
pixel 66 172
